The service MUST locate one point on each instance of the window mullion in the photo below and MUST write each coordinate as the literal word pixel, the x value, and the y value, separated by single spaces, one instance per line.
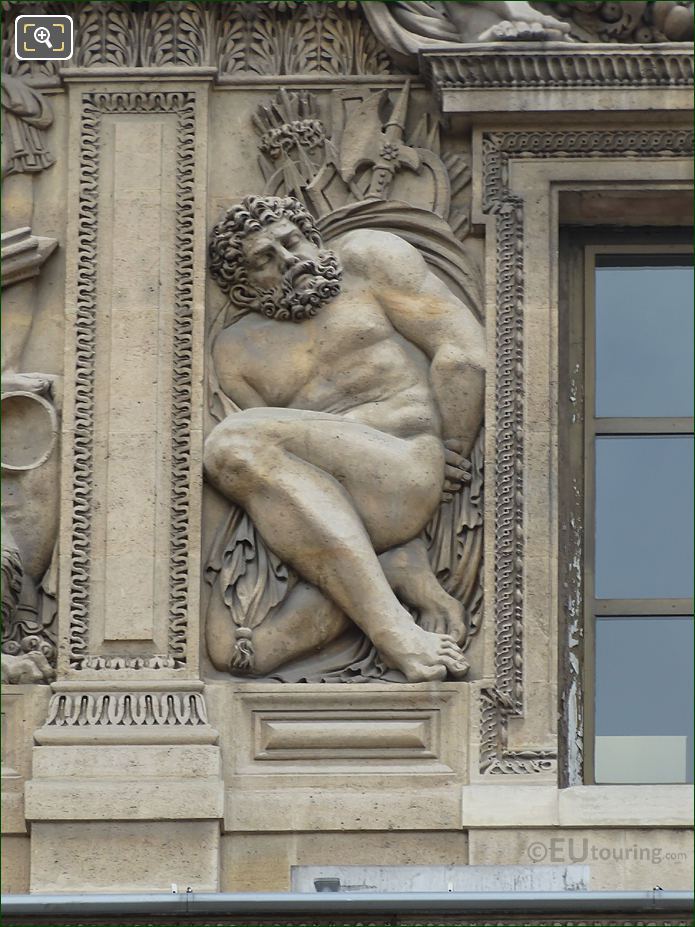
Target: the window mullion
pixel 643 426
pixel 634 608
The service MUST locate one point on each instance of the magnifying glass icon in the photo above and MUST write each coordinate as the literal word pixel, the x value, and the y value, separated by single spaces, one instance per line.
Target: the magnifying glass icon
pixel 41 34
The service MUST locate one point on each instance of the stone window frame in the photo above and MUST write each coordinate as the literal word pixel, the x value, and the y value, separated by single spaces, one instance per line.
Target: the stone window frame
pixel 576 491
pixel 519 197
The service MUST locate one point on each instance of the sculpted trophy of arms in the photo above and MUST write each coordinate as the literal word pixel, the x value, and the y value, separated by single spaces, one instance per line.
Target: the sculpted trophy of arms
pixel 359 378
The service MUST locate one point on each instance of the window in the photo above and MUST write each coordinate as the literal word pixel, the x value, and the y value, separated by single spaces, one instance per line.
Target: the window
pixel 630 450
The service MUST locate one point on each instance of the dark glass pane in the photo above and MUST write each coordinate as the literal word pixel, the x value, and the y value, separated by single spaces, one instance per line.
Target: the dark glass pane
pixel 644 700
pixel 644 517
pixel 644 337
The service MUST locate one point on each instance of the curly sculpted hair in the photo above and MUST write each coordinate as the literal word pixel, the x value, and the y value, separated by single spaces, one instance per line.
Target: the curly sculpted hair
pixel 227 265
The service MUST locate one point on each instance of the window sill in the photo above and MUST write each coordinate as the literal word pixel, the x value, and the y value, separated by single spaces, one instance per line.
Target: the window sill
pixel 543 805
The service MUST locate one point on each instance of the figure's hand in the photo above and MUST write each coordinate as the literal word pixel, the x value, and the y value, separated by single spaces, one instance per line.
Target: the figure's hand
pixel 457 469
pixel 40 384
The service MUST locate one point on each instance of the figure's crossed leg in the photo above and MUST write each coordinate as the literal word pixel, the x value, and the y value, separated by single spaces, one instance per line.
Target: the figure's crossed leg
pixel 325 492
pixel 410 575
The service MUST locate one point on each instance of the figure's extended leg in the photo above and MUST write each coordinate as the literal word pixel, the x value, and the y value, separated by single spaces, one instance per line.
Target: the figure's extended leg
pixel 410 575
pixel 308 482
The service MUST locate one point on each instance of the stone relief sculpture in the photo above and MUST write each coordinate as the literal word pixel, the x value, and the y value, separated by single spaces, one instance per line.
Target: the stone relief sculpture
pixel 334 173
pixel 29 410
pixel 358 383
pixel 275 37
pixel 406 28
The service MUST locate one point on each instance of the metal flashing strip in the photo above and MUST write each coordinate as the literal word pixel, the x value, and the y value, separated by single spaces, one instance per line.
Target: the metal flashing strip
pixel 321 903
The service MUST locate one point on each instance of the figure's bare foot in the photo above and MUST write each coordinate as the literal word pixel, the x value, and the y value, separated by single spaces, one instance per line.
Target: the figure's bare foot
pixel 520 31
pixel 29 667
pixel 444 616
pixel 420 655
pixel 409 572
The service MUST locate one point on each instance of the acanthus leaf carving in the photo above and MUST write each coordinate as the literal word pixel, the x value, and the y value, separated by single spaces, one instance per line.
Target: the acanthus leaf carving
pixel 236 37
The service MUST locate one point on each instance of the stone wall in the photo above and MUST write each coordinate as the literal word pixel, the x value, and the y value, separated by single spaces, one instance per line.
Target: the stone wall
pixel 281 558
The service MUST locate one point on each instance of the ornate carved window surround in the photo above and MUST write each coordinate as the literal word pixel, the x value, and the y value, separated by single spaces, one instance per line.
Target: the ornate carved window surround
pixel 522 175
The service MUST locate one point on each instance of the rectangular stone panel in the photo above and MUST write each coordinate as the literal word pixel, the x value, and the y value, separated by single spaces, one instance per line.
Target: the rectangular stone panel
pixel 133 409
pixel 353 734
pixel 137 339
pixel 295 735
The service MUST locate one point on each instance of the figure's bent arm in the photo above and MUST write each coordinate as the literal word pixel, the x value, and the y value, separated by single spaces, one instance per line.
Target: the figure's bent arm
pixel 233 383
pixel 425 312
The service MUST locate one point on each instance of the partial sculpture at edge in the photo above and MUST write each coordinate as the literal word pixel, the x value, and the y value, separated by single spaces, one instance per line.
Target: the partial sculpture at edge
pixel 358 379
pixel 406 27
pixel 30 405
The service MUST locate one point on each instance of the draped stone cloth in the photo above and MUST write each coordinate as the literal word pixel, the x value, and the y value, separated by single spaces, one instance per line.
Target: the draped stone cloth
pixel 25 114
pixel 407 27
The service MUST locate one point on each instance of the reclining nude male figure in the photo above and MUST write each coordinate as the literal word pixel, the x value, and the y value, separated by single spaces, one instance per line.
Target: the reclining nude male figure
pixel 351 368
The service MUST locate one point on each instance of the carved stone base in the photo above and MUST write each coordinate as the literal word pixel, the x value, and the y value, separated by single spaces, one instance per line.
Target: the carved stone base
pixel 146 762
pixel 314 758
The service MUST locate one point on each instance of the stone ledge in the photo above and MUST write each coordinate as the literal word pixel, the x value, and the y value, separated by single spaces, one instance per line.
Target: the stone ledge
pixel 116 800
pixel 626 805
pixel 526 66
pixel 349 808
pixel 536 805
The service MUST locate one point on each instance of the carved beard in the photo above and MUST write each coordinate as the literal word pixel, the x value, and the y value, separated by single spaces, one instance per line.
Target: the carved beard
pixel 290 302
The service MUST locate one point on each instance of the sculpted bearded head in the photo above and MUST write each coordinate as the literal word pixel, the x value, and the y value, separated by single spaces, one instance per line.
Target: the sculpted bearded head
pixel 266 255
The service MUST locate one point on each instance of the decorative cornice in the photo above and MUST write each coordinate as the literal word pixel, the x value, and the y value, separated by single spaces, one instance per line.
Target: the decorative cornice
pixel 527 67
pixel 114 713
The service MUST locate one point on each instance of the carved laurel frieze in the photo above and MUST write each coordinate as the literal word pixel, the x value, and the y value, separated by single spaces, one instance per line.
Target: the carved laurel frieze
pixel 505 701
pixel 94 107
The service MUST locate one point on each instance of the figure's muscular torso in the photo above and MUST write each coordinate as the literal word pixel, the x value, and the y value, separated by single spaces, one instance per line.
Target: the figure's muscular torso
pixel 348 360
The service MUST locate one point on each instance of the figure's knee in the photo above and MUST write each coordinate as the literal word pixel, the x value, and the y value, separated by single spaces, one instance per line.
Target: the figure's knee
pixel 236 452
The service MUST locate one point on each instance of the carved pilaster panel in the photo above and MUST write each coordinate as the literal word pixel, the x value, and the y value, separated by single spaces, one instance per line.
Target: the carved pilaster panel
pixel 126 571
